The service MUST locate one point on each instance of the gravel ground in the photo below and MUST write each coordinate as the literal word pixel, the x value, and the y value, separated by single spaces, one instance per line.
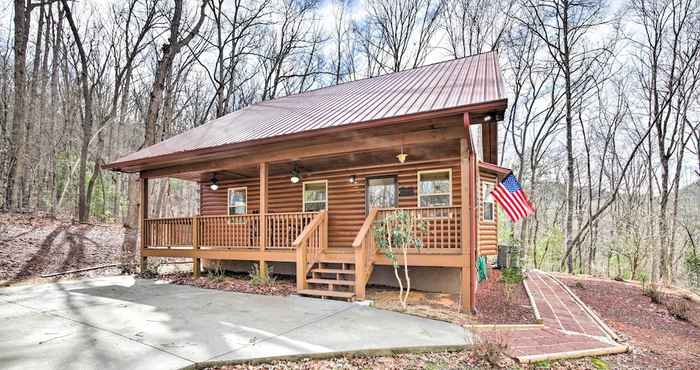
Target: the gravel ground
pixel 31 246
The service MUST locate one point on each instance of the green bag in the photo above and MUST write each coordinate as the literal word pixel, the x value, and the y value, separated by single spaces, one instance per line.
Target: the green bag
pixel 481 270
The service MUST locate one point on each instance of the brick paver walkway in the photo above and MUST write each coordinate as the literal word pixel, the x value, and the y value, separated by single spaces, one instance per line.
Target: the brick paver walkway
pixel 569 330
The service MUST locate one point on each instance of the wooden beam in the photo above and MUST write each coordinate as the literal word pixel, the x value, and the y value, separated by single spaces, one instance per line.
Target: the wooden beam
pixel 242 254
pixel 310 150
pixel 196 262
pixel 263 213
pixel 143 215
pixel 464 228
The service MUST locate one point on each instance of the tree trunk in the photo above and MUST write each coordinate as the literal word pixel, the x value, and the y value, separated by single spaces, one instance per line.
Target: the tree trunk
pixel 21 23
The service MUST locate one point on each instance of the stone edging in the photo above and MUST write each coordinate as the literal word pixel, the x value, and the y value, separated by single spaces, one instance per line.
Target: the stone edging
pixel 538 318
pixel 620 348
pixel 503 327
pixel 326 355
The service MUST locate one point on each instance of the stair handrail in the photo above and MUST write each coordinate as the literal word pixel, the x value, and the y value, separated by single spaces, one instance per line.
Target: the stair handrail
pixel 301 244
pixel 364 253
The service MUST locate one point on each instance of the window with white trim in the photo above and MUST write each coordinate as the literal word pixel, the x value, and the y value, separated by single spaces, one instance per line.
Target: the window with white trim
pixel 487 202
pixel 315 195
pixel 237 201
pixel 435 188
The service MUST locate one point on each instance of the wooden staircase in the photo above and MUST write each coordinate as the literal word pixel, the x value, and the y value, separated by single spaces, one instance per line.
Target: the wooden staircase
pixel 334 272
pixel 331 280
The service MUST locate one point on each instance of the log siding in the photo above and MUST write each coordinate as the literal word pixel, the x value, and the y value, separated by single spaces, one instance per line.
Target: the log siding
pixel 346 200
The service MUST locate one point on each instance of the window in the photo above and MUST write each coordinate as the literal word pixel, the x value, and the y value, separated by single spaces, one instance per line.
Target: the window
pixel 435 188
pixel 315 195
pixel 237 201
pixel 487 200
pixel 381 192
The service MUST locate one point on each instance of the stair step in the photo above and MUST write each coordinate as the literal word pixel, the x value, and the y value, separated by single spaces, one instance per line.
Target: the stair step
pixel 331 281
pixel 326 293
pixel 333 271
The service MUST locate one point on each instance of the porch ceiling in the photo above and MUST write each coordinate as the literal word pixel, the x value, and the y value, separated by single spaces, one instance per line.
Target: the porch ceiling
pixel 416 153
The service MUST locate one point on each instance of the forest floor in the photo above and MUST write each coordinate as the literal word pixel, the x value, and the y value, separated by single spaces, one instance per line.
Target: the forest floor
pixel 657 338
pixel 31 246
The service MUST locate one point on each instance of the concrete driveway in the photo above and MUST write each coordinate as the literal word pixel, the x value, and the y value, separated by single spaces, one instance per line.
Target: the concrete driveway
pixel 125 323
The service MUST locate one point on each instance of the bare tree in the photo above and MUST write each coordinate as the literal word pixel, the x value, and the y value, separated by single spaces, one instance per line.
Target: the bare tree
pixel 473 27
pixel 564 27
pixel 670 48
pixel 398 34
pixel 164 66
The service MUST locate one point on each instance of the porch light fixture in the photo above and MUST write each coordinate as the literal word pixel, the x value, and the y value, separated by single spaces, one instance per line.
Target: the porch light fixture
pixel 296 176
pixel 213 183
pixel 487 118
pixel 353 179
pixel 402 156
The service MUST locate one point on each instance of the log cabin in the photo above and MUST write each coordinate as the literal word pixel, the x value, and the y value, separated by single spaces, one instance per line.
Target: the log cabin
pixel 300 182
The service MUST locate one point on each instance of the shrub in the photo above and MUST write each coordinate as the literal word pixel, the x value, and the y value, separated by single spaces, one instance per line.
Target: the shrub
pixel 216 274
pixel 656 295
pixel 579 285
pixel 258 278
pixel 396 233
pixel 678 309
pixel 491 351
pixel 512 275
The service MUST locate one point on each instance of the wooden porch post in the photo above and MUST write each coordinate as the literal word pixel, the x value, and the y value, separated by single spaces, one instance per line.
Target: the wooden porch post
pixel 469 217
pixel 196 261
pixel 143 215
pixel 263 219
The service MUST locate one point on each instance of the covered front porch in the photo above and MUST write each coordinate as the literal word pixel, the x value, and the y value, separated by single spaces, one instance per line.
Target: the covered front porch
pixel 253 209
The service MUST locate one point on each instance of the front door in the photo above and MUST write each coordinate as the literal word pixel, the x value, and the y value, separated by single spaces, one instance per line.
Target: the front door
pixel 382 192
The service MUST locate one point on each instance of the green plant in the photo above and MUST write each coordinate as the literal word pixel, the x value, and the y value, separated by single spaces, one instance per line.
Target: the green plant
pixel 216 273
pixel 512 275
pixel 599 364
pixel 258 278
pixel 398 231
pixel 678 309
pixel 542 364
pixel 643 280
pixel 579 285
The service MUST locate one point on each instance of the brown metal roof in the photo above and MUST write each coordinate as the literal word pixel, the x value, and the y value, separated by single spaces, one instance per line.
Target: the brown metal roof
pixel 452 84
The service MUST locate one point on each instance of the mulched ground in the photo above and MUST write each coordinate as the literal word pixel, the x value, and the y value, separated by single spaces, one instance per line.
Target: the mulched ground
pixel 658 340
pixel 240 283
pixel 497 303
pixel 31 246
pixel 476 359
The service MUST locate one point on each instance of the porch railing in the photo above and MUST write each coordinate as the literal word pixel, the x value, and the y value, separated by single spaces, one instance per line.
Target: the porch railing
pixel 168 232
pixel 309 245
pixel 365 251
pixel 284 228
pixel 442 232
pixel 239 231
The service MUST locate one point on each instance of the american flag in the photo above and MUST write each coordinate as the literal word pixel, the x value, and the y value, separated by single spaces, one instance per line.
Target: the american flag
pixel 511 197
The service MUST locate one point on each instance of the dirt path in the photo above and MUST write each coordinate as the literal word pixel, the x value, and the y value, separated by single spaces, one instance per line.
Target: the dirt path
pixel 31 246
